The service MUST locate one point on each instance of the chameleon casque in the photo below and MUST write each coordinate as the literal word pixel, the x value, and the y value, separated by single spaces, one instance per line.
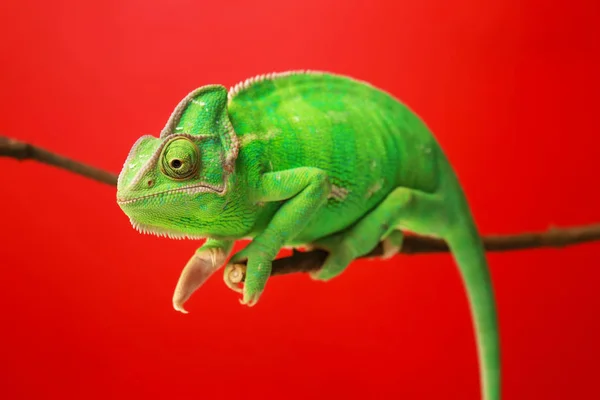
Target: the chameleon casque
pixel 303 159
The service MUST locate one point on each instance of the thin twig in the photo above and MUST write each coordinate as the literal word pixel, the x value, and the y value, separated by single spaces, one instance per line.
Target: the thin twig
pixel 555 237
pixel 313 260
pixel 25 151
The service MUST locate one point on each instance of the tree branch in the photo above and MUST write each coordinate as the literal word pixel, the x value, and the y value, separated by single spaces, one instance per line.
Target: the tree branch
pixel 312 260
pixel 555 237
pixel 25 151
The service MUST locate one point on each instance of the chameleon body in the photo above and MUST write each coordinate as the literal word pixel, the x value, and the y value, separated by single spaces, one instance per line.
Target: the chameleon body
pixel 308 159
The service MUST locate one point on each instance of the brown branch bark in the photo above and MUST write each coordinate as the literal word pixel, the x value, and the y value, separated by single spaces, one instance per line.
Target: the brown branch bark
pixel 555 237
pixel 25 151
pixel 312 260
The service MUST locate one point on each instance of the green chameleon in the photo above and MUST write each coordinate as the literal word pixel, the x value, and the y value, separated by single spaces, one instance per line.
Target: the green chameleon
pixel 303 159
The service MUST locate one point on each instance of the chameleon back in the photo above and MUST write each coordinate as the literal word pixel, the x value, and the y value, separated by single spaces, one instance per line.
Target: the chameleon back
pixel 367 141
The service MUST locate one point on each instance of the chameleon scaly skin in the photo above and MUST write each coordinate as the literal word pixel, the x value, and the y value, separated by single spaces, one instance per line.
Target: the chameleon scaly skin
pixel 303 159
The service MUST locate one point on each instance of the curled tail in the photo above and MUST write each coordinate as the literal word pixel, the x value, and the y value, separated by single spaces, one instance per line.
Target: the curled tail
pixel 467 249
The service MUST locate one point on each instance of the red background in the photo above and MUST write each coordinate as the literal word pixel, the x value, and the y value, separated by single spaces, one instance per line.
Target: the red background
pixel 510 89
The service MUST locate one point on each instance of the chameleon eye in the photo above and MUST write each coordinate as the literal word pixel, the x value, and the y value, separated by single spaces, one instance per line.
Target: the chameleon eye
pixel 176 163
pixel 180 159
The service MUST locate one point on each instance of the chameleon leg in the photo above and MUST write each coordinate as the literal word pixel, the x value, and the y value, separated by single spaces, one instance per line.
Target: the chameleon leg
pixel 304 190
pixel 205 261
pixel 402 208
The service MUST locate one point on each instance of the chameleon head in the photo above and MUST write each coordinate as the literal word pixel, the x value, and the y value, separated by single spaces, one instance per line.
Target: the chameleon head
pixel 176 184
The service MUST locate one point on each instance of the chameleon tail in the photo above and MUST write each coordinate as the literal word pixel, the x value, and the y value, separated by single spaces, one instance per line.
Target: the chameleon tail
pixel 467 249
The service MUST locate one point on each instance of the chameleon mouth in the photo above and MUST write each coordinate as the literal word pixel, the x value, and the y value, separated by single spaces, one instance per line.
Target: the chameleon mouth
pixel 162 232
pixel 194 189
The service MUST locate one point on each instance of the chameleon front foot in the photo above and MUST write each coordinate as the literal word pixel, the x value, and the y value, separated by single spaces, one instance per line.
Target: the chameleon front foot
pixel 257 272
pixel 197 271
pixel 250 297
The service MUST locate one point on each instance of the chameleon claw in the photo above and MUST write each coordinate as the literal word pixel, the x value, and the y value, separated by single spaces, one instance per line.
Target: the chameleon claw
pixel 178 306
pixel 315 275
pixel 250 299
pixel 392 244
pixel 328 271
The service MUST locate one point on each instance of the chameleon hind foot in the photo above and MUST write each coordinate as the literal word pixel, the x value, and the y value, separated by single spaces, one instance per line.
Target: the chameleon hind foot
pixel 380 223
pixel 335 263
pixel 341 254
